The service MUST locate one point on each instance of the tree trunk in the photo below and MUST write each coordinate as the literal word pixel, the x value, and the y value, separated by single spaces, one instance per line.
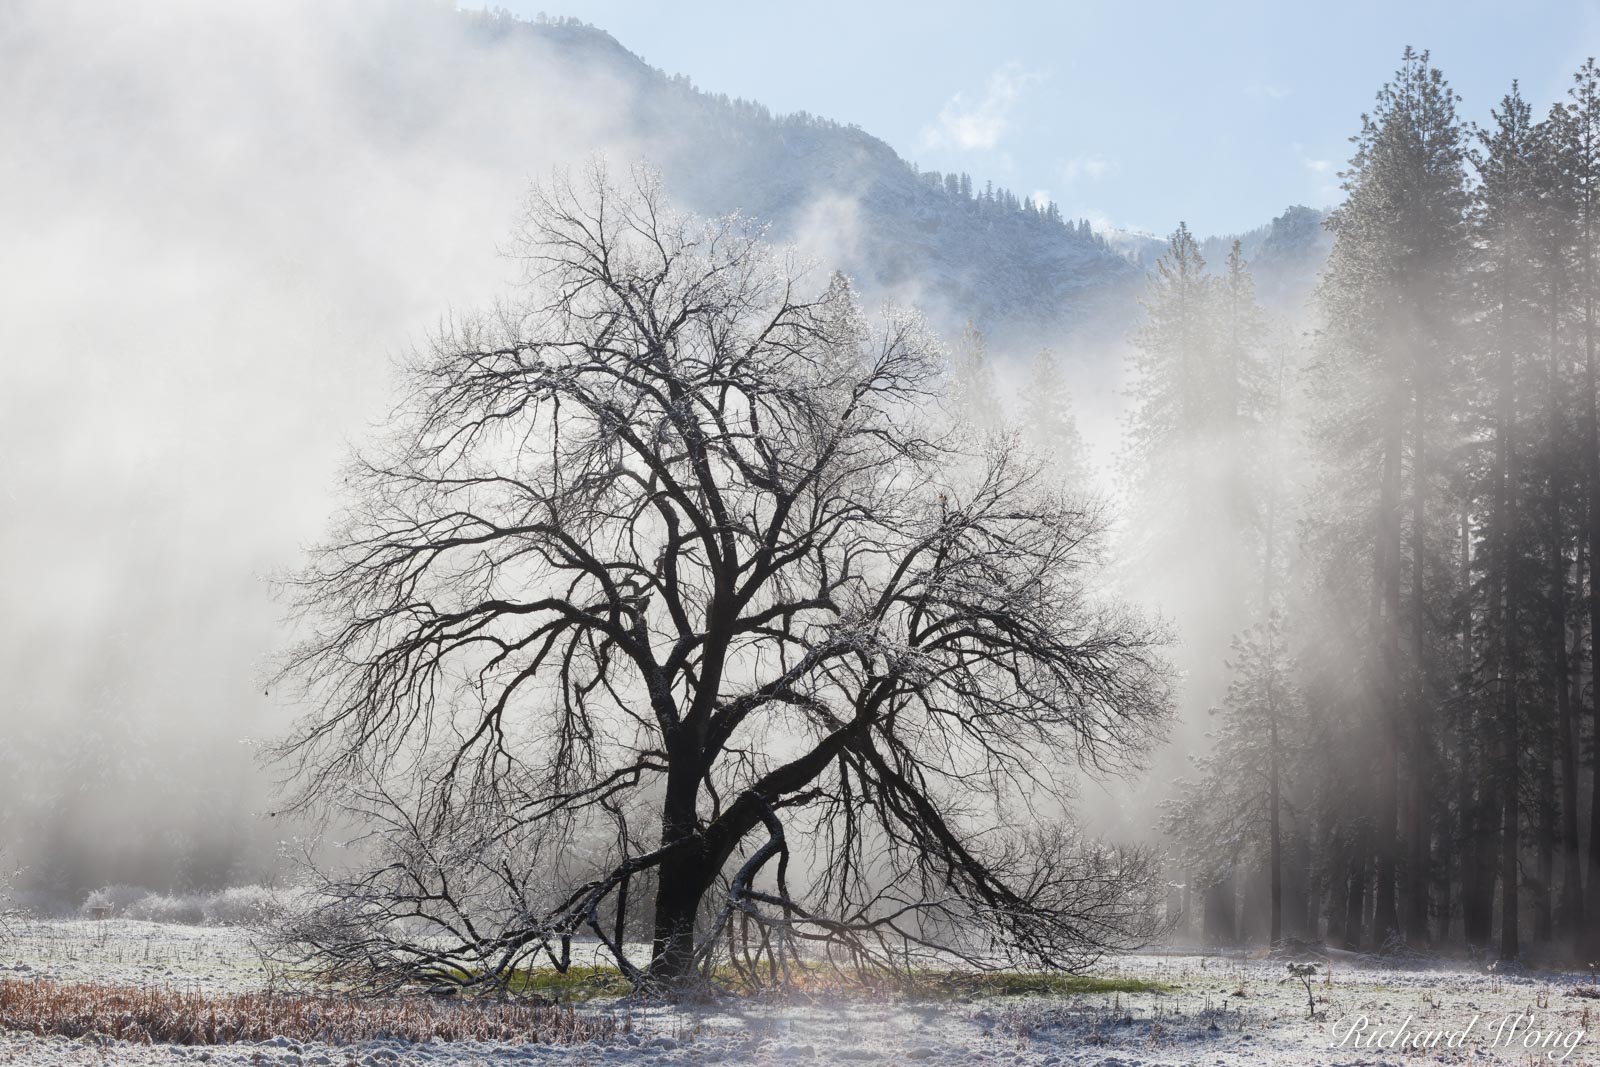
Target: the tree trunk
pixel 1560 568
pixel 1510 783
pixel 1509 667
pixel 1275 879
pixel 1591 485
pixel 677 905
pixel 1467 860
pixel 1567 725
pixel 1298 891
pixel 1386 817
pixel 1419 836
pixel 1339 855
pixel 1478 877
pixel 1465 824
pixel 1221 908
pixel 684 875
pixel 1545 842
pixel 1355 901
pixel 1314 890
pixel 1510 949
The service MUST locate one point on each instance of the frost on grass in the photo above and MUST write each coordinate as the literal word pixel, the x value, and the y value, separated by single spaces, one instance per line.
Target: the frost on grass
pixel 163 1014
pixel 1140 1010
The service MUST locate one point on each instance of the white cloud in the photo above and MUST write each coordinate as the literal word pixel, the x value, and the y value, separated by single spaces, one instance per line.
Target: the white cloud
pixel 1315 166
pixel 1090 167
pixel 970 125
pixel 1266 89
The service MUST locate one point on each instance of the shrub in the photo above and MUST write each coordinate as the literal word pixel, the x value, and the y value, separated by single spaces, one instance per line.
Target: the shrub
pixel 245 905
pixel 183 908
pixel 119 898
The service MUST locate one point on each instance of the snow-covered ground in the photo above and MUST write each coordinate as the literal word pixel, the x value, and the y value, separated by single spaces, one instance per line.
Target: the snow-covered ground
pixel 1218 1011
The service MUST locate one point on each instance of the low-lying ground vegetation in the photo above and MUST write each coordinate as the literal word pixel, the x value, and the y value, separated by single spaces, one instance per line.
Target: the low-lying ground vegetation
pixel 191 1017
pixel 246 905
pixel 579 983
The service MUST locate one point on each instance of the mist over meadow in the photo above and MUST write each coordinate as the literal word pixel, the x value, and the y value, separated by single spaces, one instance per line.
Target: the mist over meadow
pixel 217 246
pixel 1342 466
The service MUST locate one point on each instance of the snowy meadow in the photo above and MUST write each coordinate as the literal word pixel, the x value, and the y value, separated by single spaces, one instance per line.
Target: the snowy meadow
pixel 512 556
pixel 1169 1009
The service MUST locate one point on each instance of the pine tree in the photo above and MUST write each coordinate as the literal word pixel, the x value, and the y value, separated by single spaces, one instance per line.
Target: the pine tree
pixel 1583 145
pixel 1198 434
pixel 1246 392
pixel 1233 809
pixel 1173 349
pixel 1048 423
pixel 973 395
pixel 1554 249
pixel 1183 420
pixel 1440 596
pixel 1390 298
pixel 1505 215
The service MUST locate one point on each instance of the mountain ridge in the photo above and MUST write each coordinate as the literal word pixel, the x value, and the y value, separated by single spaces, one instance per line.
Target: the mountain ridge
pixel 1018 270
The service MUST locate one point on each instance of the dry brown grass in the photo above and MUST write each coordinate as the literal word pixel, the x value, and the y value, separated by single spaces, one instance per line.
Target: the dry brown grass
pixel 190 1017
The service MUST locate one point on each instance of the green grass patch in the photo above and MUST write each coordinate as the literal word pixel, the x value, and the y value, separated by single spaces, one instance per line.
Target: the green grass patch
pixel 575 983
pixel 581 983
pixel 1021 983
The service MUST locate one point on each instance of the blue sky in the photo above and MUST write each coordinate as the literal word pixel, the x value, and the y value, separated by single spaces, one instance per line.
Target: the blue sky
pixel 1133 114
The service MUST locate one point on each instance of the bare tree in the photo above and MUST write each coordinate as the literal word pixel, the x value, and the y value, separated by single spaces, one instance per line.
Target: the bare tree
pixel 663 588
